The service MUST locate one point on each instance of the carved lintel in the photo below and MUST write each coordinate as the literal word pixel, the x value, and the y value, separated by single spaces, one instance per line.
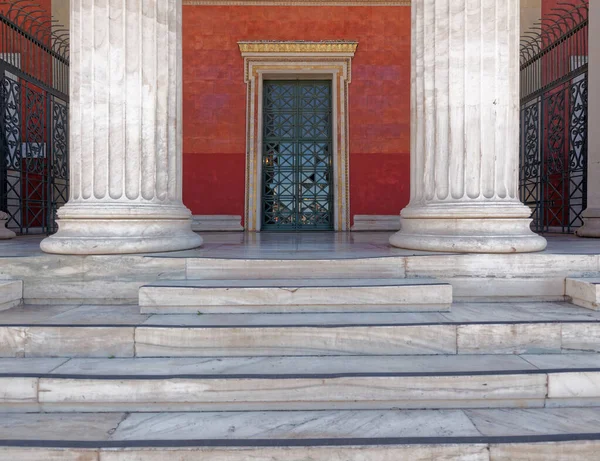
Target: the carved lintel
pixel 333 47
pixel 296 2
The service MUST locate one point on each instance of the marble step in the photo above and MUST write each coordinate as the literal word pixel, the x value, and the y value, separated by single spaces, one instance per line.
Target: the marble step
pixel 11 293
pixel 121 331
pixel 540 434
pixel 299 383
pixel 292 295
pixel 584 292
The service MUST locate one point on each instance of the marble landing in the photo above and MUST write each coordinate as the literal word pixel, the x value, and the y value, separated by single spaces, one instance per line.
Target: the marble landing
pixel 348 245
pixel 116 279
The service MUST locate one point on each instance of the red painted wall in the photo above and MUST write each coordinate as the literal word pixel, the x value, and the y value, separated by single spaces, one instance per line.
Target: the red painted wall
pixel 215 99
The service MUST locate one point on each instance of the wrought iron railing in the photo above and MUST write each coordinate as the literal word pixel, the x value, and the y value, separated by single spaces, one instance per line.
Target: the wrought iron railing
pixel 553 157
pixel 34 107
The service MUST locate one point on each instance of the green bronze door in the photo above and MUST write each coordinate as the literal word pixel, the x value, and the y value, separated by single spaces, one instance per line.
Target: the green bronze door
pixel 297 162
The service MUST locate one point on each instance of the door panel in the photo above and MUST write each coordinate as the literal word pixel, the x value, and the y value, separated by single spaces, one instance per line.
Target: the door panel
pixel 297 161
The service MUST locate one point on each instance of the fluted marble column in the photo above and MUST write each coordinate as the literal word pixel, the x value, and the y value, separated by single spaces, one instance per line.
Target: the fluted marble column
pixel 465 130
pixel 591 216
pixel 125 131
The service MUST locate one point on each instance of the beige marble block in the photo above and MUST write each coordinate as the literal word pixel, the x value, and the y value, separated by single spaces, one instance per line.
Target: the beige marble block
pixel 281 341
pixel 11 294
pixel 48 454
pixel 584 292
pixel 475 452
pixel 559 451
pixel 509 339
pixel 293 393
pixel 574 385
pixel 18 390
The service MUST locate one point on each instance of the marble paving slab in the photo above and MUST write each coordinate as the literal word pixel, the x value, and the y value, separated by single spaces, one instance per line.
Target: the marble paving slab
pixel 30 365
pixel 304 319
pixel 70 426
pixel 461 313
pixel 293 366
pixel 295 283
pixel 535 421
pixel 564 361
pixel 302 425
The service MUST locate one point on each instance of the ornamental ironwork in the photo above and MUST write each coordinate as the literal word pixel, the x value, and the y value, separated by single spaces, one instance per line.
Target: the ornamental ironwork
pixel 34 108
pixel 554 99
pixel 297 160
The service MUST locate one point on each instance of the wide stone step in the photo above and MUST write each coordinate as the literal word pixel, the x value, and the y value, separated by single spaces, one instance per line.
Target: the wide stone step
pixel 121 331
pixel 11 293
pixel 584 292
pixel 299 383
pixel 389 435
pixel 325 295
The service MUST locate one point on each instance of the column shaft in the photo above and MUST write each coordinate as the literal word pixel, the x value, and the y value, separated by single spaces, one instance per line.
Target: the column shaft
pixel 465 130
pixel 125 131
pixel 591 215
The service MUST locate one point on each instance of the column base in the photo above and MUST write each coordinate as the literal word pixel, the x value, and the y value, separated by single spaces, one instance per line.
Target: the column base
pixel 468 235
pixel 5 233
pixel 591 224
pixel 96 229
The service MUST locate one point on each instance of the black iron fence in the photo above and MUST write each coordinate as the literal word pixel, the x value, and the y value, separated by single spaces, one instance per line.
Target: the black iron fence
pixel 34 108
pixel 554 82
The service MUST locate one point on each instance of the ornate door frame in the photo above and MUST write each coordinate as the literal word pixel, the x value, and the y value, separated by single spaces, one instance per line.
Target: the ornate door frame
pixel 305 61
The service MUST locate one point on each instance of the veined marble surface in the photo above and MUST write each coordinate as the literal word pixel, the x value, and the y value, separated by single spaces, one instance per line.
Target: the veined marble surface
pixel 461 313
pixel 292 366
pixel 299 425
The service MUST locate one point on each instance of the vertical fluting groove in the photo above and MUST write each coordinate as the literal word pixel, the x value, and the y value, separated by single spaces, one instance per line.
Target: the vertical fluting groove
pixel 150 106
pixel 86 101
pixel 134 95
pixel 172 69
pixel 473 99
pixel 442 69
pixel 179 94
pixel 100 97
pixel 488 96
pixel 511 156
pixel 162 99
pixel 419 151
pixel 429 90
pixel 75 98
pixel 501 107
pixel 413 101
pixel 116 105
pixel 456 92
pixel 173 102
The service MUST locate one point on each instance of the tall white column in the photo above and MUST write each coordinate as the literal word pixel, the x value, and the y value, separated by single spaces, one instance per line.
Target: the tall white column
pixel 465 130
pixel 125 131
pixel 591 215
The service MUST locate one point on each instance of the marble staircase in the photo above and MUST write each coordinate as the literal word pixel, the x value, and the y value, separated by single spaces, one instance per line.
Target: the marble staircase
pixel 483 381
